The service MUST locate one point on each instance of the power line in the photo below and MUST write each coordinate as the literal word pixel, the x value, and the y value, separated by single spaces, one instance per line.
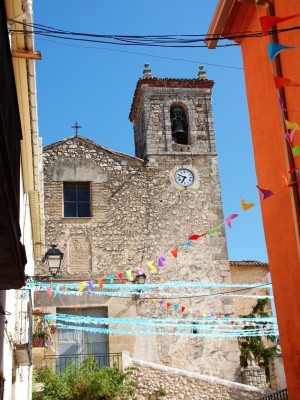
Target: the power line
pixel 169 41
pixel 144 54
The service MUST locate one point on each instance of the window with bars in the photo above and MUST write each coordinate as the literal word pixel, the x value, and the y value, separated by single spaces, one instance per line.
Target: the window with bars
pixel 77 199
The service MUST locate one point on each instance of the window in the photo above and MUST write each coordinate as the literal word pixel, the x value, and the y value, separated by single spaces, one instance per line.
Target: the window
pixel 179 125
pixel 77 200
pixel 74 344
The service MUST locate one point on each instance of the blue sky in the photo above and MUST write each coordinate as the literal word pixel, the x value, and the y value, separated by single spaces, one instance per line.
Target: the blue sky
pixel 94 85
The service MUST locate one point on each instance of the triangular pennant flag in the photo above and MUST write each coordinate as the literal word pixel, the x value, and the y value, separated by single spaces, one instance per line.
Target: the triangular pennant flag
pixel 296 151
pixel 111 278
pixel 285 182
pixel 268 21
pixel 291 125
pixel 289 135
pixel 230 218
pixel 282 82
pixel 295 169
pixel 161 303
pixel 246 206
pixel 174 252
pixel 168 305
pixel 100 284
pixel 214 230
pixel 182 308
pixel 50 291
pixel 56 291
pixel 196 237
pixel 275 48
pixel 161 261
pixel 152 266
pixel 187 244
pixel 176 306
pixel 120 276
pixel 139 270
pixel 129 275
pixel 90 285
pixel 82 286
pixel 265 192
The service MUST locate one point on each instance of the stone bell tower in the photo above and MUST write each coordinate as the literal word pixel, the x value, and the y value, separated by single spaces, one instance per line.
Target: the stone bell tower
pixel 172 116
pixel 174 135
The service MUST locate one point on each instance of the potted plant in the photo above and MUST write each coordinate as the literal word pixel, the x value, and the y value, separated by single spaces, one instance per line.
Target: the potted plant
pixel 40 334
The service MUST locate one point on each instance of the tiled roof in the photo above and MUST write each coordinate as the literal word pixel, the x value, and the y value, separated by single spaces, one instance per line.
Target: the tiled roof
pixel 248 263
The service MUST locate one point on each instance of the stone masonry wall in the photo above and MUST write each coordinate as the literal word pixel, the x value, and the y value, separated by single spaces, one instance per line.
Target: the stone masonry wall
pixel 139 213
pixel 183 385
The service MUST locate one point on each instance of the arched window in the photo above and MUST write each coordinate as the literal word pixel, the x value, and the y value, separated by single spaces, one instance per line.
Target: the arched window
pixel 179 125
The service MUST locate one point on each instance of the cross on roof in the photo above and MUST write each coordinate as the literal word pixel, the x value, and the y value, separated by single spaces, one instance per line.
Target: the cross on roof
pixel 76 127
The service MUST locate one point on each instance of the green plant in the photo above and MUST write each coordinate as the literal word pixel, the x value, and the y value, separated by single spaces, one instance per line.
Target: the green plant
pixel 87 381
pixel 262 349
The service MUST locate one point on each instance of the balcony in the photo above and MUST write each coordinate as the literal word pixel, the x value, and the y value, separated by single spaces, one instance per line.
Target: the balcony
pixel 59 363
pixel 23 328
pixel 280 395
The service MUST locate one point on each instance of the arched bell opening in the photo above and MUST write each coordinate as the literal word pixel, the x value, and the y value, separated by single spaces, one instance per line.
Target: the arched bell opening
pixel 179 125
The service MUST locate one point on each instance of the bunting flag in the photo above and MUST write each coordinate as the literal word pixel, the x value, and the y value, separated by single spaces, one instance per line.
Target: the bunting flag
pixel 120 276
pixel 129 275
pixel 100 284
pixel 174 252
pixel 268 21
pixel 246 206
pixel 275 48
pixel 295 169
pixel 161 261
pixel 289 135
pixel 111 278
pixel 139 270
pixel 90 285
pixel 296 151
pixel 265 193
pixel 214 230
pixel 81 287
pixel 230 218
pixel 152 266
pixel 196 237
pixel 291 125
pixel 282 82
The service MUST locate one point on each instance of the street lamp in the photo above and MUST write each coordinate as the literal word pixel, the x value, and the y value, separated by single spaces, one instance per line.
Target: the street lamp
pixel 53 259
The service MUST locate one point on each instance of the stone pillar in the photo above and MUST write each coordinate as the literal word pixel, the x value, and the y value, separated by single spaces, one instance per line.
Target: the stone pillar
pixel 277 375
pixel 254 376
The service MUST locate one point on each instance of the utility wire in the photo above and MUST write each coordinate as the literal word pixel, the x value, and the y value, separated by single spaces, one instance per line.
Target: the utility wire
pixel 143 54
pixel 180 41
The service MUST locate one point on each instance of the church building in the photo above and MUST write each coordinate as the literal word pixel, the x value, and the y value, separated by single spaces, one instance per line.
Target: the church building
pixel 110 213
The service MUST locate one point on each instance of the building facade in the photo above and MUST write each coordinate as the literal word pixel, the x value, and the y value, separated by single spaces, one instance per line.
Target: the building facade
pixel 110 212
pixel 270 106
pixel 20 197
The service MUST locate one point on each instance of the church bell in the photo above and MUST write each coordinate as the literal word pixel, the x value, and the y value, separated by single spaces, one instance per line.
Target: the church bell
pixel 179 125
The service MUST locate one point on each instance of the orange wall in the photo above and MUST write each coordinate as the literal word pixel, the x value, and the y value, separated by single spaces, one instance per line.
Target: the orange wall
pixel 272 157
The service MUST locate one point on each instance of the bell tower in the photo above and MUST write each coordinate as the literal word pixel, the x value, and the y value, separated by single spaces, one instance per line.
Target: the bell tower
pixel 172 116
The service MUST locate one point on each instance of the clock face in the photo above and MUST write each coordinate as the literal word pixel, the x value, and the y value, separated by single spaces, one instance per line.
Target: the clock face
pixel 184 177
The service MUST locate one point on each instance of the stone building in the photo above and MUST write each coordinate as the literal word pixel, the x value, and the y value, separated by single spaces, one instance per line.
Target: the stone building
pixel 110 212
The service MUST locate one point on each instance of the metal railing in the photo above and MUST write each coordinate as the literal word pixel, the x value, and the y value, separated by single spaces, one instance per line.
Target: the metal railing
pixel 59 363
pixel 280 395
